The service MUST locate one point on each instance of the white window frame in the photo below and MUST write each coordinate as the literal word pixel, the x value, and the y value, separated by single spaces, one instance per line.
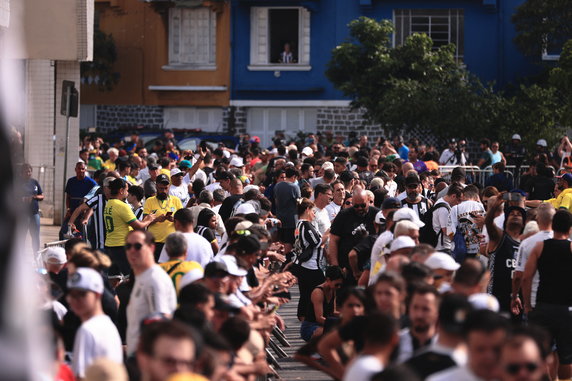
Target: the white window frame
pixel 175 61
pixel 447 12
pixel 260 35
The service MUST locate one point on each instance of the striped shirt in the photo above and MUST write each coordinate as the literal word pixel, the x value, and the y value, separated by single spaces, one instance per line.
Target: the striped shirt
pixel 139 213
pixel 420 208
pixel 97 203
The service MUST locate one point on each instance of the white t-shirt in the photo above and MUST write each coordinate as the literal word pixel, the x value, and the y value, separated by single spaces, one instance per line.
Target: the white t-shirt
pixel 377 259
pixel 182 192
pixel 322 220
pixel 198 250
pixel 391 187
pixel 153 292
pixel 333 210
pixel 363 368
pixel 199 175
pixel 448 158
pixel 440 220
pixel 460 216
pixel 95 338
pixel 143 174
pixel 524 251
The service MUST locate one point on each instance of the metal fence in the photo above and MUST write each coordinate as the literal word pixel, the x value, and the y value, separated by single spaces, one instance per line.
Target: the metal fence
pixel 480 176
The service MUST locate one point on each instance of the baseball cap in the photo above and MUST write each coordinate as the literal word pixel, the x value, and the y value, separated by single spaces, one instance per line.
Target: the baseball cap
pixel 184 164
pixel 221 304
pixel 191 276
pixel 307 151
pixel 153 166
pixel 249 244
pixel 327 165
pixel 232 266
pixel 243 225
pixel 163 179
pixel 542 143
pixel 55 256
pixel 516 137
pixel 483 301
pixel 255 139
pixel 249 187
pixel 236 162
pixel 391 203
pixel 443 261
pixel 245 208
pixel 407 214
pixel 212 268
pixel 176 171
pixel 412 179
pixel 453 311
pixel 401 242
pixel 567 177
pixel 86 279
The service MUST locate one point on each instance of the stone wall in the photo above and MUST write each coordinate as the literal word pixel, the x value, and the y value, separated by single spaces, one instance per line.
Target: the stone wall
pixel 110 117
pixel 238 114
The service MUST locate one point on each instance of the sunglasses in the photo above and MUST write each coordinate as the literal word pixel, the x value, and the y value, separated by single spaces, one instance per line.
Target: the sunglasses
pixel 360 206
pixel 137 246
pixel 515 368
pixel 348 203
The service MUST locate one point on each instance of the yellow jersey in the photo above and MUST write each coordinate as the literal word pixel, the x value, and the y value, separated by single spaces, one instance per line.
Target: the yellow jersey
pixel 117 216
pixel 155 206
pixel 177 268
pixel 109 165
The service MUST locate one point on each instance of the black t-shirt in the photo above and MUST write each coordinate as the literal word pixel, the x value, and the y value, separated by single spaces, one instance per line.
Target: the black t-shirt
pixel 350 227
pixel 541 188
pixel 363 250
pixel 502 262
pixel 429 362
pixel 206 232
pixel 227 205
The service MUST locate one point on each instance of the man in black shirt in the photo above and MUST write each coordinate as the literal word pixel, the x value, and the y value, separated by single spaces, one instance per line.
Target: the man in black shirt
pixel 415 199
pixel 230 203
pixel 443 354
pixel 348 228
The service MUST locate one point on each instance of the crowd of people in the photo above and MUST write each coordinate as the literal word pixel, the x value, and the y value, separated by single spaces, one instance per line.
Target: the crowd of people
pixel 176 264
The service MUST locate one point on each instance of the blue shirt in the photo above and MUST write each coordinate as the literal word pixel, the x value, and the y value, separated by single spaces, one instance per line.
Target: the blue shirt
pixel 32 188
pixel 403 152
pixel 77 189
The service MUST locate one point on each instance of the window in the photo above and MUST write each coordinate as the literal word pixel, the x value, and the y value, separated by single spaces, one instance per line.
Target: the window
pixel 444 26
pixel 192 39
pixel 280 38
pixel 264 122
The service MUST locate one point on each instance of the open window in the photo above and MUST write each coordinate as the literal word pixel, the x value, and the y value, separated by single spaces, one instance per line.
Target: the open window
pixel 280 38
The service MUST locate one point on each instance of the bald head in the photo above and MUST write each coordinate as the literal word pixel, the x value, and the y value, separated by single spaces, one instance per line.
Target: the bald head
pixel 406 167
pixel 360 201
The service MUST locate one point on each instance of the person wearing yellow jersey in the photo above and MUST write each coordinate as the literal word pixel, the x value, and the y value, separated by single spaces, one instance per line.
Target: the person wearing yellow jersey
pixel 113 155
pixel 162 204
pixel 562 200
pixel 119 220
pixel 176 267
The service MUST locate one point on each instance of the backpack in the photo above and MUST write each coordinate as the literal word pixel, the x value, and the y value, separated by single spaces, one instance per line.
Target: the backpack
pixel 459 252
pixel 427 233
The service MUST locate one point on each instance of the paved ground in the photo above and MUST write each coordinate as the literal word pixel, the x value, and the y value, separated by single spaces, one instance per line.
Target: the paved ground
pixel 291 369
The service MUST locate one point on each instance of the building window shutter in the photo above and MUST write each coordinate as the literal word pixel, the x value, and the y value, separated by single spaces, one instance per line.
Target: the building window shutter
pixel 259 35
pixel 192 36
pixel 304 36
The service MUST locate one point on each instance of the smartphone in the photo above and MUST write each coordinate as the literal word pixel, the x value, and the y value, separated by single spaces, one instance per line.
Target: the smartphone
pixel 169 214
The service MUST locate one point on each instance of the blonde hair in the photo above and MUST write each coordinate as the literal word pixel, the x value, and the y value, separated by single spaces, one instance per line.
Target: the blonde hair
pixel 93 259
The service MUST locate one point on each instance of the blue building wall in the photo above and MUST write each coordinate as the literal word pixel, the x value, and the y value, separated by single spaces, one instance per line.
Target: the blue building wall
pixel 488 32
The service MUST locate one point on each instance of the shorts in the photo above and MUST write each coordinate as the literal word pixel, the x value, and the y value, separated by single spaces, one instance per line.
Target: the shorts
pixel 557 320
pixel 286 235
pixel 307 329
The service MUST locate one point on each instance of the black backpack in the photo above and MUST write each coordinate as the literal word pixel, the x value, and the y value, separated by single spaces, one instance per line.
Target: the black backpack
pixel 427 233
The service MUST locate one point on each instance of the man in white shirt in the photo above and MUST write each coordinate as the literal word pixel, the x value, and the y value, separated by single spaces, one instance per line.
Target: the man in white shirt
pixel 441 216
pixel 544 215
pixel 380 340
pixel 198 248
pixel 322 196
pixel 465 217
pixel 178 188
pixel 485 334
pixel 339 194
pixel 85 287
pixel 452 155
pixel 153 291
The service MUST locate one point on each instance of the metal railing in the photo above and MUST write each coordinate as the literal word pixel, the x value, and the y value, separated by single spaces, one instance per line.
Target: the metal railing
pixel 480 176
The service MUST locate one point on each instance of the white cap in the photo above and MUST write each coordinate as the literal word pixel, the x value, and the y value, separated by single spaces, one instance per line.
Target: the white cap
pixel 379 218
pixel 226 154
pixel 190 277
pixel 236 162
pixel 86 279
pixel 401 242
pixel 307 151
pixel 243 225
pixel 442 261
pixel 232 267
pixel 484 301
pixel 249 187
pixel 407 214
pixel 245 208
pixel 542 142
pixel 516 137
pixel 327 165
pixel 175 171
pixel 55 256
pixel 292 147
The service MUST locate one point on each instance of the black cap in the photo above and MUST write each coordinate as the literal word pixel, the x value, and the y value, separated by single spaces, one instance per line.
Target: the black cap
pixel 248 243
pixel 213 268
pixel 163 179
pixel 412 179
pixel 224 175
pixel 453 310
pixel 391 203
pixel 153 166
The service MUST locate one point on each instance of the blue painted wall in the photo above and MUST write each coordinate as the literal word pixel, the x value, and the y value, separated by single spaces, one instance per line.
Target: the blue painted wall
pixel 489 51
